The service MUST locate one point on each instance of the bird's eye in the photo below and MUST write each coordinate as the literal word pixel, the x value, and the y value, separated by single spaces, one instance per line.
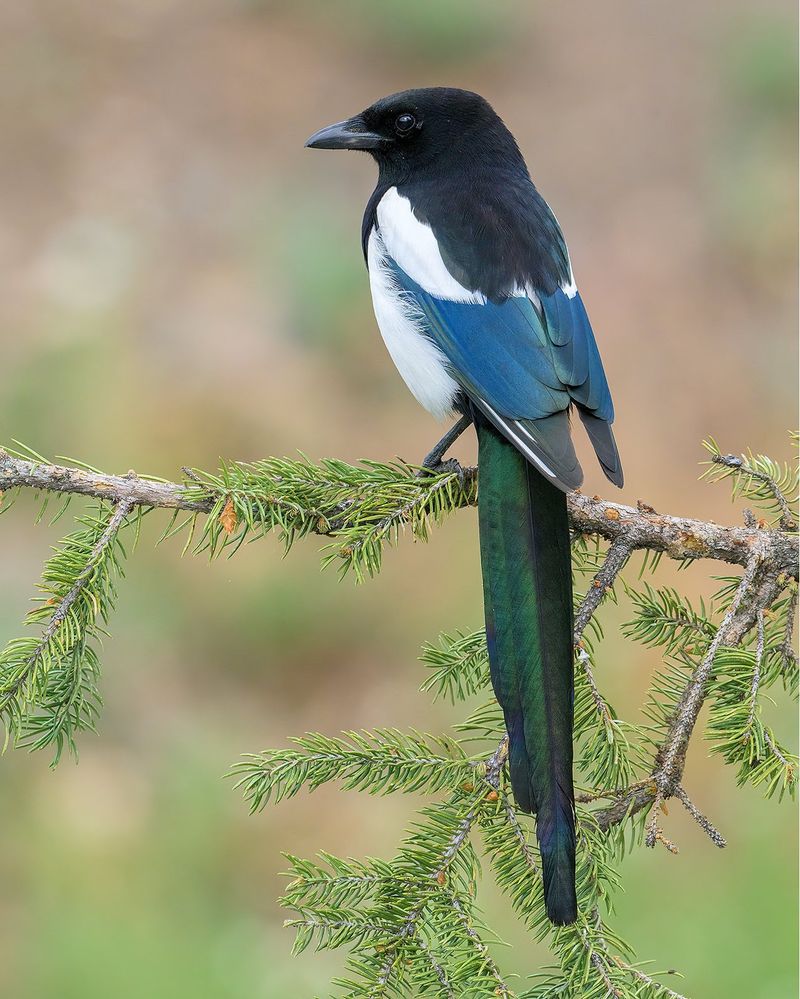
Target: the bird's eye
pixel 404 123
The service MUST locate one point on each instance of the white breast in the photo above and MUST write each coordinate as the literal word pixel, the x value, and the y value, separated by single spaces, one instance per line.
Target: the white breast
pixel 420 362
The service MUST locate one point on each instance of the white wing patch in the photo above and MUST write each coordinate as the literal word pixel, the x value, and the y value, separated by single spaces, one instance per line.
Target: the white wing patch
pixel 412 245
pixel 571 289
pixel 421 364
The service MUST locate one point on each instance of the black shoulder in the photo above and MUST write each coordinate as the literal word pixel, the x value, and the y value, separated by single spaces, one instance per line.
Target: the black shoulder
pixel 495 232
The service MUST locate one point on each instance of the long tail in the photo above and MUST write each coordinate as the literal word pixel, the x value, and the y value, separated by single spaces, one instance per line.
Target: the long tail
pixel 527 585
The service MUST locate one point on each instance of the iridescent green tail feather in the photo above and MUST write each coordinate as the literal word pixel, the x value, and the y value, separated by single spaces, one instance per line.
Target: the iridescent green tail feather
pixel 527 585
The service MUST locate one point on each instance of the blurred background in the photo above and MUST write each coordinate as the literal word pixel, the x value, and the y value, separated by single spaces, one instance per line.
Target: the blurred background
pixel 180 280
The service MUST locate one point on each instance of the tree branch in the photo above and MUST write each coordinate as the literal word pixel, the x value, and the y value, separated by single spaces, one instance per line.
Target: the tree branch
pixel 770 557
pixel 762 587
pixel 136 490
pixel 680 538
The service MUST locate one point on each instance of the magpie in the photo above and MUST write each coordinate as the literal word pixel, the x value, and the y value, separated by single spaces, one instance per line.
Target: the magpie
pixel 474 294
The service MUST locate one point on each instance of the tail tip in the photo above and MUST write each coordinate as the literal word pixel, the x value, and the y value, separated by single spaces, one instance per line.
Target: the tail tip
pixel 560 894
pixel 563 912
pixel 614 475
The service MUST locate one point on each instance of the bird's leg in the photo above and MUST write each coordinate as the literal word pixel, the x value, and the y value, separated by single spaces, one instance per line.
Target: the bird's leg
pixel 433 460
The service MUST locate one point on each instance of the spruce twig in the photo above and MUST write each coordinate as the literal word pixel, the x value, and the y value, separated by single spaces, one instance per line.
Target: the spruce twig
pixel 679 538
pixel 412 923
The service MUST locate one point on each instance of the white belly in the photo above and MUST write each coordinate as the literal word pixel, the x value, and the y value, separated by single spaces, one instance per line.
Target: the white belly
pixel 421 364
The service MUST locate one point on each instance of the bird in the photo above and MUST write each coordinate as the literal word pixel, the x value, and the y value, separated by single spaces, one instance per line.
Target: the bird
pixel 475 298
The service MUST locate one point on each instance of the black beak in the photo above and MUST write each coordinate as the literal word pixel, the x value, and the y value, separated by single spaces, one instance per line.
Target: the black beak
pixel 350 134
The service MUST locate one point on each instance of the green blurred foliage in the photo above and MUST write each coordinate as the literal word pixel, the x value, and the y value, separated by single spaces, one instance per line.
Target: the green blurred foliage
pixel 300 239
pixel 758 69
pixel 761 67
pixel 419 31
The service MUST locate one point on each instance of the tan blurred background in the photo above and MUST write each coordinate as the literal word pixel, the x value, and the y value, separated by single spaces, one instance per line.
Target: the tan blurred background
pixel 180 280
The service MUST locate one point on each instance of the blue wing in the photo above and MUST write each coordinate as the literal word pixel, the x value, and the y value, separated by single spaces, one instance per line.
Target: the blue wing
pixel 523 366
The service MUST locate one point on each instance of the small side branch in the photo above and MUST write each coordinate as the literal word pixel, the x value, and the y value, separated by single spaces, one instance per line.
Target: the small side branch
pixel 513 820
pixel 437 968
pixel 616 557
pixel 599 701
pixel 409 929
pixel 599 964
pixel 121 511
pixel 713 834
pixel 615 560
pixel 787 646
pixel 756 681
pixel 674 750
pixel 652 983
pixel 733 462
pixel 501 988
pixel 775 751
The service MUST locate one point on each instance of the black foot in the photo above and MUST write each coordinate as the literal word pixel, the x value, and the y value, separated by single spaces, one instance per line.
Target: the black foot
pixel 433 460
pixel 449 466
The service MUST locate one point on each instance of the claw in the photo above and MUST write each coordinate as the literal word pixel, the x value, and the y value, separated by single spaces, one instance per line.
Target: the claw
pixel 451 466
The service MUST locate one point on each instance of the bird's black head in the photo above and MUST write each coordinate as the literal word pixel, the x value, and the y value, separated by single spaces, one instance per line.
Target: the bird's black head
pixel 416 128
